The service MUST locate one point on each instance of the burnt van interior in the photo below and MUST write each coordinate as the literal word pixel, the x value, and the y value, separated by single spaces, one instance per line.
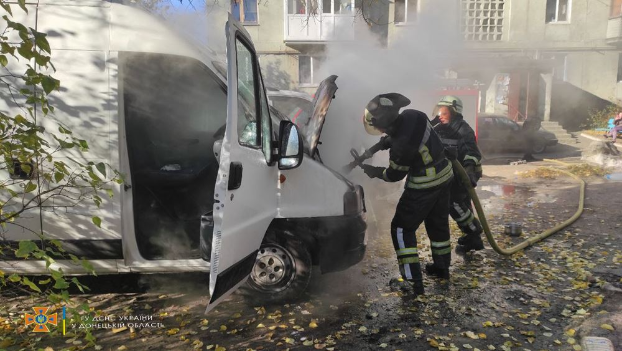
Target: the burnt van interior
pixel 174 109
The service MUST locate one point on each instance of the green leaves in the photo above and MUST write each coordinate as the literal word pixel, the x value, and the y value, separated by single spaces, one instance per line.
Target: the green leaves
pixel 30 187
pixel 63 143
pixel 7 49
pixel 97 221
pixel 25 50
pixel 64 130
pixel 87 266
pixel 83 144
pixel 26 144
pixel 49 84
pixel 26 247
pixel 22 4
pixel 101 167
pixel 41 41
pixel 30 284
pixel 6 8
pixel 61 284
pixel 58 177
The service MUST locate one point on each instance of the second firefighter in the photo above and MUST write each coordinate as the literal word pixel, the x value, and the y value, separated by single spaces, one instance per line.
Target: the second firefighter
pixel 459 140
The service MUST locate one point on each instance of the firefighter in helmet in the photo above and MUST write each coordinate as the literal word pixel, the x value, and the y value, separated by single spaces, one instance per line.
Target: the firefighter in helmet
pixel 416 152
pixel 459 140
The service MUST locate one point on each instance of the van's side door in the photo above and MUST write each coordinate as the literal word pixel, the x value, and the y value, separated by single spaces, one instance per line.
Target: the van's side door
pixel 245 197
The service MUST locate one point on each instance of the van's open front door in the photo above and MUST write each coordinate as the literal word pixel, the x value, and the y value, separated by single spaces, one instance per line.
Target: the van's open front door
pixel 245 197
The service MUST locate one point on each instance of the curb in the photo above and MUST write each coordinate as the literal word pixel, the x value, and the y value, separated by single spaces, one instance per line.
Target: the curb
pixel 619 146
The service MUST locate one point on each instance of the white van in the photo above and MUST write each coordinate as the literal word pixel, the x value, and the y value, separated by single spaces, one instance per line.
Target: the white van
pixel 202 156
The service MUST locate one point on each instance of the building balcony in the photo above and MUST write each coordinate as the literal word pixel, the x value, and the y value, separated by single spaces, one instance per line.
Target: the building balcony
pixel 319 21
pixel 319 28
pixel 614 31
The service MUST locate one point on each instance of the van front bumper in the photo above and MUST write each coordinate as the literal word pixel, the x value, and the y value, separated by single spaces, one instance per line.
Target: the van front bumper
pixel 342 243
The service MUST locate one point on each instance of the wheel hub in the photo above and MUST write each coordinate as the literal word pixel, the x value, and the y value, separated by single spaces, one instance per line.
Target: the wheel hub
pixel 272 266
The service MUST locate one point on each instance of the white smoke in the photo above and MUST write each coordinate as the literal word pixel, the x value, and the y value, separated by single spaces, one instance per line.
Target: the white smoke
pixel 411 65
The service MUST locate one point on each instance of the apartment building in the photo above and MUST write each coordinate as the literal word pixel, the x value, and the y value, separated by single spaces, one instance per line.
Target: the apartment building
pixel 522 55
pixel 291 35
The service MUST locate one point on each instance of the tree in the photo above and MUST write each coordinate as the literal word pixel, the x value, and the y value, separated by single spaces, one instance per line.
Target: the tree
pixel 35 168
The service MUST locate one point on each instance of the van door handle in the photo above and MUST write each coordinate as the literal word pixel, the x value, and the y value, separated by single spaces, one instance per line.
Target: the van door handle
pixel 235 175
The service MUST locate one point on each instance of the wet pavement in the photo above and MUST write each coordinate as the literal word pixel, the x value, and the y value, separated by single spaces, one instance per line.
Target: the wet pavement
pixel 545 298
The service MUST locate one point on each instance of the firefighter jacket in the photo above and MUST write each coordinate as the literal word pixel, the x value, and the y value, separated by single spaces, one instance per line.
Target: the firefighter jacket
pixel 458 135
pixel 417 152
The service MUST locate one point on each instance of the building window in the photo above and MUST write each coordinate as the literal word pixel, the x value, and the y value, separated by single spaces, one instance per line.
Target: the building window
pixel 482 20
pixel 406 11
pixel 327 7
pixel 557 11
pixel 344 7
pixel 616 8
pixel 244 11
pixel 308 69
pixel 619 67
pixel 296 7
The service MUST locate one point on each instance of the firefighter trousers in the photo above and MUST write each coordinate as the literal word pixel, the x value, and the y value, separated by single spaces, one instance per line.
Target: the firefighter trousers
pixel 461 210
pixel 432 208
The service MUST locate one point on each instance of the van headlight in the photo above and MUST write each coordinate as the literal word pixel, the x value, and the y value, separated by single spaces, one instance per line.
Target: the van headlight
pixel 354 201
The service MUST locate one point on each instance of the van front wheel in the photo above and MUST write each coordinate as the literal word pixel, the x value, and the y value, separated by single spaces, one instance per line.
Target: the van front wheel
pixel 282 271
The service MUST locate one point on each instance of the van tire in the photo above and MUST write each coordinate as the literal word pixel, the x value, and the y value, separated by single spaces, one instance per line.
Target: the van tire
pixel 281 272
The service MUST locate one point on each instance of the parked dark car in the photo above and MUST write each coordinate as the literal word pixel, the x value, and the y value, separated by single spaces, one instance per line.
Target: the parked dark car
pixel 499 133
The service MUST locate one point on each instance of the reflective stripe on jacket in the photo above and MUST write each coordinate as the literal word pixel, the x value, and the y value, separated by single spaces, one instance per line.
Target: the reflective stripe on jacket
pixel 416 151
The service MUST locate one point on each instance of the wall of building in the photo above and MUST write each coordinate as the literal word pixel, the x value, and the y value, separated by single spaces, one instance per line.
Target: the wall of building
pixel 278 61
pixel 526 28
pixel 591 63
pixel 280 70
pixel 595 72
pixel 268 33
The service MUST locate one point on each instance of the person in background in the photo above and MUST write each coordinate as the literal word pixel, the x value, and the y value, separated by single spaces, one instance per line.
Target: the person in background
pixel 617 127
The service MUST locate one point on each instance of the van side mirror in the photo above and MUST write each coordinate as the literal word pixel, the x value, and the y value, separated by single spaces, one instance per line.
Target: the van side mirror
pixel 290 146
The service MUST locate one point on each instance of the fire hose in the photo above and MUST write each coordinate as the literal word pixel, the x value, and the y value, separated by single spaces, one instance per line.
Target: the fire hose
pixel 530 241
pixel 464 178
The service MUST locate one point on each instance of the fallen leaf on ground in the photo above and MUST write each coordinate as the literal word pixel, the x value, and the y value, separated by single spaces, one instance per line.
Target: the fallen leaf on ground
pixel 471 335
pixel 118 330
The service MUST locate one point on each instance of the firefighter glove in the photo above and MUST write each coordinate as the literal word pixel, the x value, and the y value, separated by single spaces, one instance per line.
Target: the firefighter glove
pixel 470 171
pixel 373 171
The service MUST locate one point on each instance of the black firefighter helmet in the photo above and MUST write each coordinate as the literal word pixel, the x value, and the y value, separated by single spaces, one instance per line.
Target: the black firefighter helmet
pixel 382 111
